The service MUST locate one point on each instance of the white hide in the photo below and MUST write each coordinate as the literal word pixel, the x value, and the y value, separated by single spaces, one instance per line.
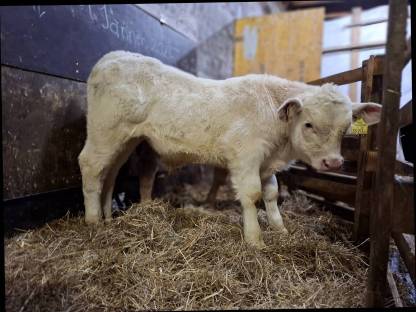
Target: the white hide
pixel 252 125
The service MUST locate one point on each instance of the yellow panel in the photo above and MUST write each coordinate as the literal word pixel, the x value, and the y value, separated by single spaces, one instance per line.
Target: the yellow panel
pixel 287 44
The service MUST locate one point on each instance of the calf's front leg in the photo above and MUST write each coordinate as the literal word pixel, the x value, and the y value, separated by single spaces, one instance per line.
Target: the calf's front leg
pixel 270 193
pixel 248 188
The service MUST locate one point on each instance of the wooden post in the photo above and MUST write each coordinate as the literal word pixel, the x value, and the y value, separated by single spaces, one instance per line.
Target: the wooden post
pixel 371 90
pixel 381 216
pixel 408 51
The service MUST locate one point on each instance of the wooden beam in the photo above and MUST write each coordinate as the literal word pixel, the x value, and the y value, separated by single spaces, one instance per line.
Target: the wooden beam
pixel 408 51
pixel 354 75
pixel 405 115
pixel 403 211
pixel 332 15
pixel 366 46
pixel 403 167
pixel 340 209
pixel 341 78
pixel 331 191
pixel 406 253
pixel 378 65
pixel 393 289
pixel 381 215
pixel 301 4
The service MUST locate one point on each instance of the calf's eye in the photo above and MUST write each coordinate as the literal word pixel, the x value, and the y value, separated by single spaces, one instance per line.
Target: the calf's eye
pixel 308 125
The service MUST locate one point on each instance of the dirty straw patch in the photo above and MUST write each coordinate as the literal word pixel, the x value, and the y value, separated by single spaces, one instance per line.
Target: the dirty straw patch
pixel 159 257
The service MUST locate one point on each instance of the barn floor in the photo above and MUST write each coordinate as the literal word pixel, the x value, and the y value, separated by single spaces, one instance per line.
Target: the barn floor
pixel 155 256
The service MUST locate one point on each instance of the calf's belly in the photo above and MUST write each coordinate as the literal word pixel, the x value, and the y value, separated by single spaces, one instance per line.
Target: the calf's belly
pixel 176 152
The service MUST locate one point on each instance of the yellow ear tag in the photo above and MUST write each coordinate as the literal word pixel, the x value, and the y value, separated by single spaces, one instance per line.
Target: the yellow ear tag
pixel 359 127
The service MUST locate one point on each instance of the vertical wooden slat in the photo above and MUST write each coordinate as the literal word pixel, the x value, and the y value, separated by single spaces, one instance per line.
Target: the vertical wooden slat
pixel 355 39
pixel 371 90
pixel 408 51
pixel 359 214
pixel 381 216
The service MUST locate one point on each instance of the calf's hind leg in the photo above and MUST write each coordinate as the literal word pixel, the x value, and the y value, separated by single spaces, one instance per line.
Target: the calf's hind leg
pixel 124 153
pixel 97 161
pixel 94 167
pixel 270 194
pixel 147 170
pixel 220 175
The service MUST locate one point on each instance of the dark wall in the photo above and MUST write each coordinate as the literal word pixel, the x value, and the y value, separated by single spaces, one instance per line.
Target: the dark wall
pixel 67 40
pixel 47 53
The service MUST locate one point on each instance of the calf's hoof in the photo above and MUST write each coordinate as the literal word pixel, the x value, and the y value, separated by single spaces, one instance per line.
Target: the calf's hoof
pixel 92 219
pixel 108 220
pixel 279 228
pixel 284 231
pixel 256 242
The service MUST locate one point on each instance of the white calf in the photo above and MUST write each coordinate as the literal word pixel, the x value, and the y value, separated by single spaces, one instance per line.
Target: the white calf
pixel 252 125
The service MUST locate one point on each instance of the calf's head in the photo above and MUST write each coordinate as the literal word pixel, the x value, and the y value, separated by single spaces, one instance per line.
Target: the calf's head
pixel 317 121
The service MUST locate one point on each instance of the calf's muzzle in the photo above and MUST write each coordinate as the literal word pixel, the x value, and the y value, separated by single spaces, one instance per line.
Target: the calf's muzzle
pixel 332 162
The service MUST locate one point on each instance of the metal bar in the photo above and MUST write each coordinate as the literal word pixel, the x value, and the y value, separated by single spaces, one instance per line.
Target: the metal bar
pixel 371 22
pixel 381 215
pixel 330 176
pixel 358 24
pixel 373 45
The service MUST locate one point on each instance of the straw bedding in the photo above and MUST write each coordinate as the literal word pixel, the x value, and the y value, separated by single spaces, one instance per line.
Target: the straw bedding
pixel 156 256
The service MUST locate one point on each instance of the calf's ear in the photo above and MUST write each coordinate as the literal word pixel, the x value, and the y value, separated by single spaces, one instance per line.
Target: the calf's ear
pixel 289 108
pixel 370 112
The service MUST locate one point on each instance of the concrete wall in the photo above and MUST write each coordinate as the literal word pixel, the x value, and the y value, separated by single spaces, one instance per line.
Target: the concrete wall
pixel 199 21
pixel 210 26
